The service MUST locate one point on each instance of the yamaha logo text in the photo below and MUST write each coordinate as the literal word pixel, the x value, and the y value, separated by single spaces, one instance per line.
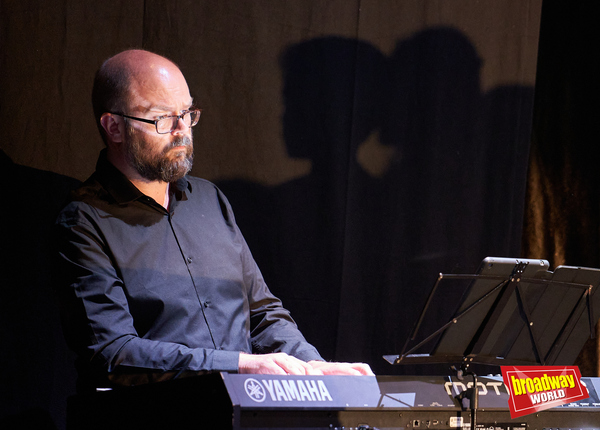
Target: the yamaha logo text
pixel 287 390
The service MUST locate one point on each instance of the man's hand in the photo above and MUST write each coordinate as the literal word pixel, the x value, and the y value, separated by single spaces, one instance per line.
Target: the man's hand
pixel 342 368
pixel 275 364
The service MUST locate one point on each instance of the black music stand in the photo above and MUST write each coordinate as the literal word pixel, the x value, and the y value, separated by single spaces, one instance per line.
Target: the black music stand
pixel 513 312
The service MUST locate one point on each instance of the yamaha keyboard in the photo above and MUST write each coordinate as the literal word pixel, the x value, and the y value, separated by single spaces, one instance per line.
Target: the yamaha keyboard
pixel 232 401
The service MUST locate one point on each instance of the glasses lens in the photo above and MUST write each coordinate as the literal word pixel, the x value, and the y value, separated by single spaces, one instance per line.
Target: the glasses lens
pixel 168 124
pixel 191 118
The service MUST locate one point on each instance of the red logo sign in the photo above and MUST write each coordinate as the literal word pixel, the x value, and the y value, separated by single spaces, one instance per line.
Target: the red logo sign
pixel 535 388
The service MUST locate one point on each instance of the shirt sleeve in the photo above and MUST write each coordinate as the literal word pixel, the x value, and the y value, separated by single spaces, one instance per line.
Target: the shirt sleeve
pixel 96 318
pixel 272 329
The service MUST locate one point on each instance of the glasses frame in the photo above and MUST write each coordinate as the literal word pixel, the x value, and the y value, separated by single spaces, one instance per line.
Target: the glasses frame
pixel 155 121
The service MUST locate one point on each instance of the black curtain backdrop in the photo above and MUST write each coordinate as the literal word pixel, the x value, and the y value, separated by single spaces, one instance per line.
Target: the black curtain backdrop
pixel 365 147
pixel 562 222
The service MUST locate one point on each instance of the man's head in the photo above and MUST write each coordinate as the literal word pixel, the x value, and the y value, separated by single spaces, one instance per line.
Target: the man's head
pixel 131 91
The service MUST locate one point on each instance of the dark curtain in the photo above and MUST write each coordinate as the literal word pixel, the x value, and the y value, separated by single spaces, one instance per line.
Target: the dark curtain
pixel 365 147
pixel 562 222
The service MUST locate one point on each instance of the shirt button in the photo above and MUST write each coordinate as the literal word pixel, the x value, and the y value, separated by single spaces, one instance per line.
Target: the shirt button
pixel 206 304
pixel 189 260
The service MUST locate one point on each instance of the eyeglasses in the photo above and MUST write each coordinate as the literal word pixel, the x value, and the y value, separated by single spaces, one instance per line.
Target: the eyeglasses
pixel 166 124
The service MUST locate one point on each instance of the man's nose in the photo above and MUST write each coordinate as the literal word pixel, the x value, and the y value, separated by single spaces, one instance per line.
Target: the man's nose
pixel 181 127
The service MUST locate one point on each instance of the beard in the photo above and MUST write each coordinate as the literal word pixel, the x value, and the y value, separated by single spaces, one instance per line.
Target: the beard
pixel 168 165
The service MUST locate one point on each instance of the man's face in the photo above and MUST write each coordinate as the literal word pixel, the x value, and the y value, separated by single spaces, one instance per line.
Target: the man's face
pixel 162 162
pixel 164 157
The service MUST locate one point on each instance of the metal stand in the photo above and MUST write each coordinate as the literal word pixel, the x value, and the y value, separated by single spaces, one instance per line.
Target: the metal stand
pixel 471 394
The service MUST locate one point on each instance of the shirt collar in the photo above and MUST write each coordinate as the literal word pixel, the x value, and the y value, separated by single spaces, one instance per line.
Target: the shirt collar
pixel 121 188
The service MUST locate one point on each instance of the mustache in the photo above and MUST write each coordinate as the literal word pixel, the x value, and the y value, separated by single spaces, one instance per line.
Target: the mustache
pixel 184 141
pixel 181 141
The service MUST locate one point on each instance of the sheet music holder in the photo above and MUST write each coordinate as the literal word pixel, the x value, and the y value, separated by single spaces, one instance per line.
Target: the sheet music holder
pixel 513 312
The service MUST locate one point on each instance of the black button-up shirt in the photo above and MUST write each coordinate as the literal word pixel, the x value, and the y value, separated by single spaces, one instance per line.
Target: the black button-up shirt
pixel 146 290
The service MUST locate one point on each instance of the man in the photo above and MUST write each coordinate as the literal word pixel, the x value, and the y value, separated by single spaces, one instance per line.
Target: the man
pixel 155 278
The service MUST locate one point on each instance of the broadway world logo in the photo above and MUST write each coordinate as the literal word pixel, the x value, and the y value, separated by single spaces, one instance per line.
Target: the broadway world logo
pixel 535 388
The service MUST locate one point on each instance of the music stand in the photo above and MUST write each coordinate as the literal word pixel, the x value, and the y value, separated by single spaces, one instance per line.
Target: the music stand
pixel 514 312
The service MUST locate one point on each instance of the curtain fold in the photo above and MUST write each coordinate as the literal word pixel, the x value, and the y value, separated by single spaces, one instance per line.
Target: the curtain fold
pixel 562 222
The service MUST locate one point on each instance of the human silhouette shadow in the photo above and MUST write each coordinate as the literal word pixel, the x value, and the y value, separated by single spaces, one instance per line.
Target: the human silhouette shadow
pixel 296 230
pixel 454 195
pixel 38 372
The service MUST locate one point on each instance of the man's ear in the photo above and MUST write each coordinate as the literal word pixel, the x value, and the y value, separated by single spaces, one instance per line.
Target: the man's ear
pixel 113 127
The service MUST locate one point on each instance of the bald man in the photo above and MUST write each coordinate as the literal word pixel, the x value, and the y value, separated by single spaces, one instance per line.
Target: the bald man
pixel 155 278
